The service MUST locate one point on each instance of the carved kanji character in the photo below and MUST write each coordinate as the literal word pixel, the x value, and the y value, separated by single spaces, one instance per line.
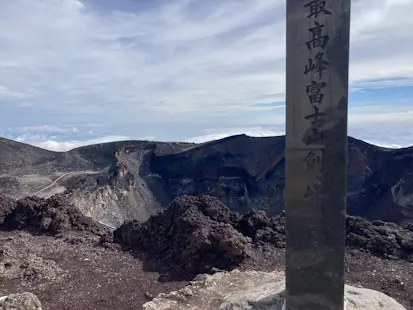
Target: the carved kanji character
pixel 317 7
pixel 314 91
pixel 317 38
pixel 312 160
pixel 318 65
pixel 316 115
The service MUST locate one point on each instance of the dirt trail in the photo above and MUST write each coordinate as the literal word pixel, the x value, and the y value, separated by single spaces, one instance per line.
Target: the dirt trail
pixel 63 175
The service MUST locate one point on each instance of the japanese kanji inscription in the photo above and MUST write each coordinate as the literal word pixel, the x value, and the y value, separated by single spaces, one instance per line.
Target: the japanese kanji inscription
pixel 316 152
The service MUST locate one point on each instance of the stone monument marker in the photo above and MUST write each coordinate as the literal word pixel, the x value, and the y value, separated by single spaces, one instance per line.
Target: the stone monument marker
pixel 316 152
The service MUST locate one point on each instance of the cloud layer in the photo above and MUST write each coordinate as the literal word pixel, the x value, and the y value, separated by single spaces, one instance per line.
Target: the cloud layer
pixel 177 70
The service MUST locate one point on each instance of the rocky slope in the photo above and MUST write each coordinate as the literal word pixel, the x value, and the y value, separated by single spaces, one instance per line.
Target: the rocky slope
pixel 199 233
pixel 115 181
pixel 49 248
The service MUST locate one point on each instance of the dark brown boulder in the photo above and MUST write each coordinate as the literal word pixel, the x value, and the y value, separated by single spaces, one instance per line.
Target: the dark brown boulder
pixel 263 229
pixel 53 215
pixel 199 232
pixel 380 238
pixel 7 205
pixel 195 232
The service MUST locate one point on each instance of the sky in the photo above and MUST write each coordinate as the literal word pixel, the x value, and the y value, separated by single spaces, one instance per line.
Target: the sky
pixel 75 72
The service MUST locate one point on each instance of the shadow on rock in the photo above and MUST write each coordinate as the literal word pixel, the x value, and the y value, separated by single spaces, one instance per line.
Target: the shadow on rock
pixel 196 235
pixel 199 234
pixel 7 205
pixel 52 216
pixel 380 238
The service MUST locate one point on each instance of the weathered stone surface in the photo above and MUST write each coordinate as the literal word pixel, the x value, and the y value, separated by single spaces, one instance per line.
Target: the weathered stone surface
pixel 316 152
pixel 272 297
pixel 23 301
pixel 210 291
pixel 253 290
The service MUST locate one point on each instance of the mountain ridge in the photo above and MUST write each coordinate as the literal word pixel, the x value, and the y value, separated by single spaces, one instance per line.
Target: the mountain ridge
pixel 11 141
pixel 116 181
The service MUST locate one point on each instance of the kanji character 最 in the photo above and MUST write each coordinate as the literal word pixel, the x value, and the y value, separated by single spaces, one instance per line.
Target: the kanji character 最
pixel 317 7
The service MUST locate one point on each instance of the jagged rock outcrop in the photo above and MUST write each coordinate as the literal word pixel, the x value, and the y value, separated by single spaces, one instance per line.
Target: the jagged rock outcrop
pixel 383 239
pixel 52 216
pixel 7 206
pixel 262 228
pixel 199 232
pixel 195 232
pixel 380 238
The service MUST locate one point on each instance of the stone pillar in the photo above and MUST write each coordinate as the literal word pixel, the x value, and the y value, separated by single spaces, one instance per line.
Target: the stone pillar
pixel 316 152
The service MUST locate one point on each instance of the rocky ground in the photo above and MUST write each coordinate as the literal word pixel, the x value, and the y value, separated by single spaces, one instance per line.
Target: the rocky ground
pixel 67 274
pixel 255 290
pixel 71 262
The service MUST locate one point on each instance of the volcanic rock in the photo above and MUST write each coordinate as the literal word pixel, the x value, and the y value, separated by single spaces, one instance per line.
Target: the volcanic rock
pixel 263 229
pixel 7 205
pixel 53 215
pixel 195 232
pixel 199 232
pixel 380 238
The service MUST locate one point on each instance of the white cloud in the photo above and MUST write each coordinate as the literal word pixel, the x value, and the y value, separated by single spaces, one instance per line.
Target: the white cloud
pixel 68 145
pixel 47 128
pixel 47 143
pixel 385 117
pixel 176 62
pixel 160 61
pixel 166 60
pixel 65 138
pixel 220 134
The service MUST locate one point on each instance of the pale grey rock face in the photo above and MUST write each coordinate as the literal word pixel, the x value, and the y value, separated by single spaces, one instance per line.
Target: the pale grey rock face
pixel 252 290
pixel 23 301
pixel 362 298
